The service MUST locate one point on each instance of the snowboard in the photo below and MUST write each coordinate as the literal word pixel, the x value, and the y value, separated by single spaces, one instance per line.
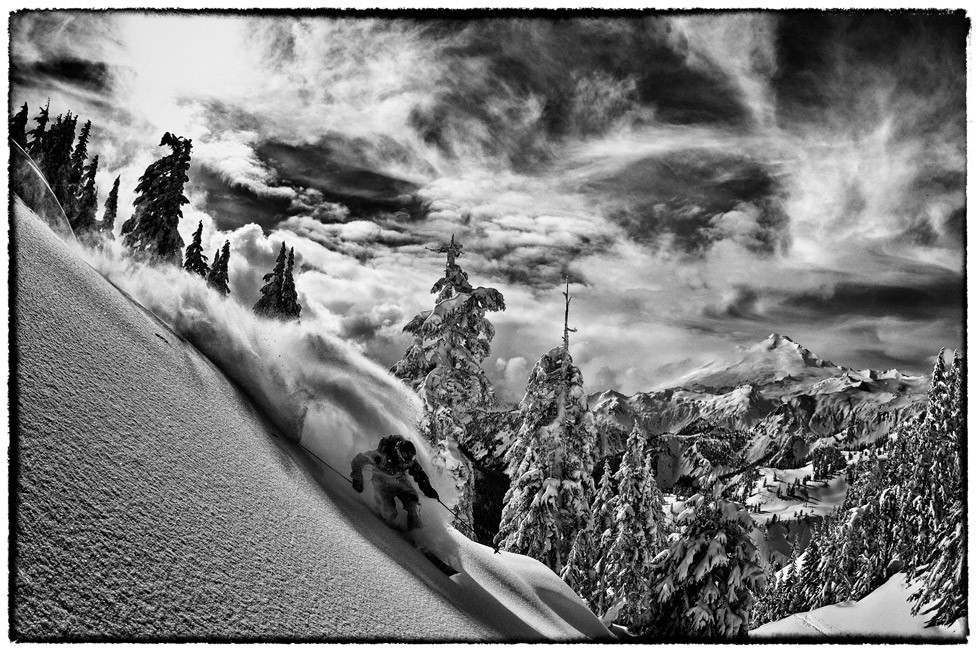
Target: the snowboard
pixel 410 537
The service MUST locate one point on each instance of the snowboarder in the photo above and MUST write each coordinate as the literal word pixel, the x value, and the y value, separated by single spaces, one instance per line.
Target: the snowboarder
pixel 390 461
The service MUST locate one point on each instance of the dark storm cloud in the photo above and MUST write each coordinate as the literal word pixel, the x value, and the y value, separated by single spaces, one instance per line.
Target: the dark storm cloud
pixel 234 205
pixel 936 299
pixel 516 87
pixel 680 199
pixel 531 270
pixel 827 61
pixel 360 239
pixel 337 167
pixel 66 54
pixel 901 74
pixel 90 75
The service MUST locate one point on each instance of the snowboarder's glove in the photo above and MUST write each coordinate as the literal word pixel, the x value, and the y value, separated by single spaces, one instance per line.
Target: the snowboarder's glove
pixel 358 484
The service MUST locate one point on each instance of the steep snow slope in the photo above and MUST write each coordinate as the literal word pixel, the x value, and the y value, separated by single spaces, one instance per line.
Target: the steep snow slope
pixel 153 501
pixel 883 614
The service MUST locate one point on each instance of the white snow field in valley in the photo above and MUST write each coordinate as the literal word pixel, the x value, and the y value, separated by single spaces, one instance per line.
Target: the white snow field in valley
pixel 885 613
pixel 159 493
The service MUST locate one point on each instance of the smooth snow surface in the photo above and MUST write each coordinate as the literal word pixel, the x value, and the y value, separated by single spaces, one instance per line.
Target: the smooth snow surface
pixel 154 500
pixel 884 613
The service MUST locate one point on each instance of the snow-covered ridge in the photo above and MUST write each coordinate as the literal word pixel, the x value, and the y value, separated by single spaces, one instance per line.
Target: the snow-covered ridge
pixel 778 390
pixel 885 614
pixel 156 502
pixel 740 390
pixel 773 360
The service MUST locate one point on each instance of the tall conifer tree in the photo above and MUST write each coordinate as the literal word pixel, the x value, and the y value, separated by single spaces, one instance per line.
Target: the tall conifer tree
pixel 640 534
pixel 36 145
pixel 707 579
pixel 579 572
pixel 604 524
pixel 550 462
pixel 78 156
pixel 152 231
pixel 443 365
pixel 55 159
pixel 218 275
pixel 86 199
pixel 195 260
pixel 270 303
pixel 108 222
pixel 941 553
pixel 289 302
pixel 18 127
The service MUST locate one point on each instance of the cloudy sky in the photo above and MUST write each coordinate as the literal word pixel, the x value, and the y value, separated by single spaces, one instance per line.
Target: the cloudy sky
pixel 703 180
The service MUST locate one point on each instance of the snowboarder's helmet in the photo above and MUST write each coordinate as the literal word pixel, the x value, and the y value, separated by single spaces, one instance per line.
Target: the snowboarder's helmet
pixel 405 450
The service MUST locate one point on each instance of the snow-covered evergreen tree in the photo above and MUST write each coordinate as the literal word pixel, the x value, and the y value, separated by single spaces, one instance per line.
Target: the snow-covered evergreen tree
pixel 290 300
pixel 640 534
pixel 827 461
pixel 76 173
pixel 218 274
pixel 271 292
pixel 279 300
pixel 111 205
pixel 17 124
pixel 579 571
pixel 444 366
pixel 86 200
pixel 811 569
pixel 832 586
pixel 940 560
pixel 550 461
pixel 905 506
pixel 195 260
pixel 54 158
pixel 36 145
pixel 152 231
pixel 763 612
pixel 604 525
pixel 943 595
pixel 707 578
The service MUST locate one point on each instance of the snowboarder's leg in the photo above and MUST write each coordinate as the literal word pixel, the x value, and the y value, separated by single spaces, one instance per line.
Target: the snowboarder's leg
pixel 410 500
pixel 384 499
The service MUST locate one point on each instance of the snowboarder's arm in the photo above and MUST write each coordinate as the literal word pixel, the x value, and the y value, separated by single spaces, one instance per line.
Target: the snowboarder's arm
pixel 423 480
pixel 357 464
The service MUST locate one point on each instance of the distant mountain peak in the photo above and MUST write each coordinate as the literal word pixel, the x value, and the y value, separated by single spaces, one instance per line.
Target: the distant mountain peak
pixel 775 341
pixel 784 344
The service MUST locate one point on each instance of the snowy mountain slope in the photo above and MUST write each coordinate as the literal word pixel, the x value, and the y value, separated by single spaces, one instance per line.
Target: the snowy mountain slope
pixel 773 360
pixel 776 388
pixel 883 614
pixel 154 502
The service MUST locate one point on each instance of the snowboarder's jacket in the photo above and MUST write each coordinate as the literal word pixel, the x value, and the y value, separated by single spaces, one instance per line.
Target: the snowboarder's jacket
pixel 392 461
